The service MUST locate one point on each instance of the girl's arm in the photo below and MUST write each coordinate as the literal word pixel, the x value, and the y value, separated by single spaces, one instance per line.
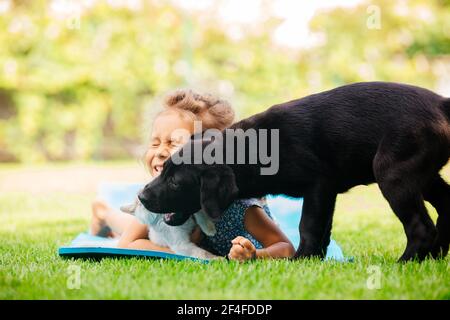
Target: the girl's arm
pixel 266 232
pixel 135 236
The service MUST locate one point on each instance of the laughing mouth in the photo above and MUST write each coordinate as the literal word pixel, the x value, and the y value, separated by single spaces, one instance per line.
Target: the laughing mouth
pixel 157 169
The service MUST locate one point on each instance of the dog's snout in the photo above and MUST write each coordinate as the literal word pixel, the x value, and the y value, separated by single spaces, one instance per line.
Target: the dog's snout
pixel 143 199
pixel 149 200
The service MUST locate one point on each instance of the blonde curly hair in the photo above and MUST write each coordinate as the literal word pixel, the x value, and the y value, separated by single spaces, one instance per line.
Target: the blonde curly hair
pixel 214 113
pixel 211 111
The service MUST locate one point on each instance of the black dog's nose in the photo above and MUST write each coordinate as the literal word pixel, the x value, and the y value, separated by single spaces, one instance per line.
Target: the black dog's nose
pixel 149 201
pixel 143 199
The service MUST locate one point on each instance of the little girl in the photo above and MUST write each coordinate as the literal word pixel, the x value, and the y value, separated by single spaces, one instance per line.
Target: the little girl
pixel 246 229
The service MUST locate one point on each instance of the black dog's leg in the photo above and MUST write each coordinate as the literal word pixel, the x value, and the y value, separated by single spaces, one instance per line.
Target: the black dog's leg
pixel 317 215
pixel 327 236
pixel 402 167
pixel 410 209
pixel 438 194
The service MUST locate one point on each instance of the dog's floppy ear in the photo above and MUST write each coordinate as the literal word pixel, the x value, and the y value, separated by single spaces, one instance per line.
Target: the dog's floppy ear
pixel 205 223
pixel 129 208
pixel 217 190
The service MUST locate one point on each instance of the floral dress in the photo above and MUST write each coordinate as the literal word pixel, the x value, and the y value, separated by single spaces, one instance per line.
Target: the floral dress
pixel 231 225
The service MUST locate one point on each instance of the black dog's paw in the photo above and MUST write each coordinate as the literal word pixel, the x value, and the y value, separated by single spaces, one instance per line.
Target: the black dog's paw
pixel 414 256
pixel 306 253
pixel 439 251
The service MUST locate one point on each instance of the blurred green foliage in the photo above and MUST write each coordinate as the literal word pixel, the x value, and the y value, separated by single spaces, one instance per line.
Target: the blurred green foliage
pixel 78 88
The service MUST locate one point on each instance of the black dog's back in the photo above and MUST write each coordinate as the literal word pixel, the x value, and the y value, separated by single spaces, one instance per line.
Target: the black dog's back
pixel 338 132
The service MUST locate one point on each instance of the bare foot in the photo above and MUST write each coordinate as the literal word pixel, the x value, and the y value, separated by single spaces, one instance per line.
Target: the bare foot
pixel 98 220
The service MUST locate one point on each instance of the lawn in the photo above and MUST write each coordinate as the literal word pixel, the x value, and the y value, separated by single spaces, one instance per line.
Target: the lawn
pixel 43 207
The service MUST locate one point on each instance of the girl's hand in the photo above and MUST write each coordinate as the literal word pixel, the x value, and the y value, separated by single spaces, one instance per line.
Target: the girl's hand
pixel 242 249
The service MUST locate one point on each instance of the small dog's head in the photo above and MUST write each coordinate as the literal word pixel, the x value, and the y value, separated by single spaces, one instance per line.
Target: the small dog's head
pixel 150 218
pixel 187 188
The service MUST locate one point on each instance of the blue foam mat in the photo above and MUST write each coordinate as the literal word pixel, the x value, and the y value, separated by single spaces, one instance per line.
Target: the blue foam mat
pixel 285 210
pixel 101 252
pixel 87 246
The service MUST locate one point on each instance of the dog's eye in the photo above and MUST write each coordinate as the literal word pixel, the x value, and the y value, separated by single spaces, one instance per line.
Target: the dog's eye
pixel 172 184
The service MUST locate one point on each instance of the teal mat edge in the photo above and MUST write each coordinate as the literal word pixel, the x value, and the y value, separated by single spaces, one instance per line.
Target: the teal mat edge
pixel 103 252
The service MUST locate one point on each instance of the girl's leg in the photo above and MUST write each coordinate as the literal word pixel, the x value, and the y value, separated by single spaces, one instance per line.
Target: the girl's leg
pixel 107 221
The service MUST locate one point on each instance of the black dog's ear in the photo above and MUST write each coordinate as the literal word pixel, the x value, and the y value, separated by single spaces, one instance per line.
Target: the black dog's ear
pixel 217 190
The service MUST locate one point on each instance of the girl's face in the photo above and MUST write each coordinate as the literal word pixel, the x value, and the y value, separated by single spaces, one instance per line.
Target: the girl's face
pixel 170 132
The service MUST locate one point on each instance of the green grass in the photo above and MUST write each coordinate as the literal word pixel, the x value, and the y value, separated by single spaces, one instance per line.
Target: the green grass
pixel 33 226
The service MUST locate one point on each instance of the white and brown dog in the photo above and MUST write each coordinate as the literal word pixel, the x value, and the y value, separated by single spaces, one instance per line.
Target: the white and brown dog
pixel 177 238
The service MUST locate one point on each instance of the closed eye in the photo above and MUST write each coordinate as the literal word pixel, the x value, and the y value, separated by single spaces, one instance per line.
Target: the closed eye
pixel 175 143
pixel 155 142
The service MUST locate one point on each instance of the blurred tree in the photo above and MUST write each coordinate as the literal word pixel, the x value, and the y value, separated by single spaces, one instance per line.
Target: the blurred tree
pixel 74 84
pixel 412 34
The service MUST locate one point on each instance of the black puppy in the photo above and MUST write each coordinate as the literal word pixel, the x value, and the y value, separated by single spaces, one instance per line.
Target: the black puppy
pixel 394 134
